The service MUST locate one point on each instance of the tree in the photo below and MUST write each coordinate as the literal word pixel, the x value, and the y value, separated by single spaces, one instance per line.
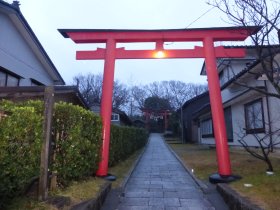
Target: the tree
pixel 180 92
pixel 139 94
pixel 156 103
pixel 156 107
pixel 155 89
pixel 265 141
pixel 132 99
pixel 90 86
pixel 177 92
pixel 264 144
pixel 266 14
pixel 120 95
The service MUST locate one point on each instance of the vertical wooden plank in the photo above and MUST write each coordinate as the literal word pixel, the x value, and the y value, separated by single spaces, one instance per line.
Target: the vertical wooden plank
pixel 48 112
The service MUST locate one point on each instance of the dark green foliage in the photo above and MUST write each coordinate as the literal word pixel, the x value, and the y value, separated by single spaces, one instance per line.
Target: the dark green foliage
pixel 76 144
pixel 124 141
pixel 77 134
pixel 20 146
pixel 156 103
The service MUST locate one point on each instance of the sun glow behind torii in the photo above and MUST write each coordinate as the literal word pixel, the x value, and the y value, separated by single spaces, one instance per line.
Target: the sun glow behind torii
pixel 205 35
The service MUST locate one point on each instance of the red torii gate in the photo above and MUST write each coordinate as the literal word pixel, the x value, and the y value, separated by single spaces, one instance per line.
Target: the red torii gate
pixel 205 35
pixel 163 113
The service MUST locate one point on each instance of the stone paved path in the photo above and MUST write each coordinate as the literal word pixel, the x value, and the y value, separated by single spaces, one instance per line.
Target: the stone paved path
pixel 159 181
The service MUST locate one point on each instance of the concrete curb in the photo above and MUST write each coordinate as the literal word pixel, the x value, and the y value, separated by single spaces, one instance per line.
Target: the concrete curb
pixel 234 200
pixel 95 203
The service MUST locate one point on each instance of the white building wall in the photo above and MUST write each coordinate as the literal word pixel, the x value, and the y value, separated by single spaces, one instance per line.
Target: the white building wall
pixel 237 96
pixel 236 90
pixel 274 107
pixel 238 125
pixel 209 141
pixel 239 65
pixel 238 121
pixel 228 94
pixel 17 56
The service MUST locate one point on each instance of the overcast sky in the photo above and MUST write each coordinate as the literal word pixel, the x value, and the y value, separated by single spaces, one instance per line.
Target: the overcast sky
pixel 46 16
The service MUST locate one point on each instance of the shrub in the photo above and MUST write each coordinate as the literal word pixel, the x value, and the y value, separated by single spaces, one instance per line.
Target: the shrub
pixel 76 144
pixel 20 146
pixel 124 141
pixel 77 134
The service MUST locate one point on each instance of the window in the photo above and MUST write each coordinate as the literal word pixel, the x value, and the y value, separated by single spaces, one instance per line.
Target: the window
pixel 222 78
pixel 228 121
pixel 2 79
pixel 115 117
pixel 12 81
pixel 8 79
pixel 254 117
pixel 206 128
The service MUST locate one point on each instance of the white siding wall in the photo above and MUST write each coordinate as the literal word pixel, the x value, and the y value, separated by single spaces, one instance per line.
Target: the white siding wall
pixel 240 99
pixel 229 72
pixel 17 56
pixel 238 123
pixel 239 65
pixel 207 140
pixel 274 107
pixel 228 94
pixel 236 90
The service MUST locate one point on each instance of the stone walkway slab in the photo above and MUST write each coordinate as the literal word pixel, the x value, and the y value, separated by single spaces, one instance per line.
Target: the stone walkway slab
pixel 159 181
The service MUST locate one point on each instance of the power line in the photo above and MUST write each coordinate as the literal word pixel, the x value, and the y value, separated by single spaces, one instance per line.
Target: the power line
pixel 200 16
pixel 194 21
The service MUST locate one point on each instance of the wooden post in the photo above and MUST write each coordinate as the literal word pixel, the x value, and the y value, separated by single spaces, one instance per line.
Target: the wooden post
pixel 48 112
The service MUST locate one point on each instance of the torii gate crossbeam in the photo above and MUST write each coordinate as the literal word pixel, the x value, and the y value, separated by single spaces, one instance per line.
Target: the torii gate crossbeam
pixel 205 35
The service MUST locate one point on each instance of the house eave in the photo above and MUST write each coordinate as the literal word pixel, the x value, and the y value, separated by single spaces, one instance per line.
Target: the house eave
pixel 193 99
pixel 37 92
pixel 23 27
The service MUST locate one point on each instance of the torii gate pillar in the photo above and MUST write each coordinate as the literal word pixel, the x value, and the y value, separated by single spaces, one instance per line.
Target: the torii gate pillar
pixel 106 105
pixel 207 36
pixel 217 113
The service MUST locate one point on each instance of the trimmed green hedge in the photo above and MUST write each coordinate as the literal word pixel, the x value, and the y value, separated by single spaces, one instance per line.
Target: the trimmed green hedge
pixel 20 146
pixel 76 144
pixel 124 141
pixel 77 134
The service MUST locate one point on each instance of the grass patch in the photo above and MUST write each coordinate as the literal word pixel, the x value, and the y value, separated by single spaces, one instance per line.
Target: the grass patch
pixel 81 190
pixel 265 190
pixel 173 140
pixel 78 191
pixel 23 203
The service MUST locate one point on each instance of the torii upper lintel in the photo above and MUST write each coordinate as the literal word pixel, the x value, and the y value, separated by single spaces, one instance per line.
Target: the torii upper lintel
pixel 208 51
pixel 166 35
